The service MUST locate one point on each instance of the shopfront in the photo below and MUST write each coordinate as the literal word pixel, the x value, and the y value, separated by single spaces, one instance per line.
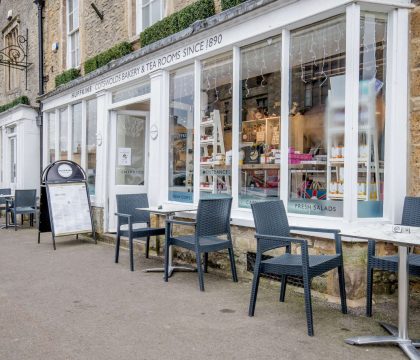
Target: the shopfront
pixel 307 104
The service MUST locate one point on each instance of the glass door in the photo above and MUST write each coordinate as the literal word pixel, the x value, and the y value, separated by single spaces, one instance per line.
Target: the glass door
pixel 128 157
pixel 13 150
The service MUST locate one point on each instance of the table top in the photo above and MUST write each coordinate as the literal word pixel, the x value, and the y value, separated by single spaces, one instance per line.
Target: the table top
pixel 169 208
pixel 383 232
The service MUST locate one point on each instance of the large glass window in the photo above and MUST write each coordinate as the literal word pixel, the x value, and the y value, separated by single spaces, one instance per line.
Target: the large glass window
pixel 181 132
pixel 51 137
pixel 216 126
pixel 73 46
pixel 63 131
pixel 148 12
pixel 91 126
pixel 316 120
pixel 133 91
pixel 370 183
pixel 259 157
pixel 76 144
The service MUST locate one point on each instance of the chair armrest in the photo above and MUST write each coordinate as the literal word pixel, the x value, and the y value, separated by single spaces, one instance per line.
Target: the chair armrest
pixel 280 238
pixel 123 215
pixel 179 222
pixel 311 229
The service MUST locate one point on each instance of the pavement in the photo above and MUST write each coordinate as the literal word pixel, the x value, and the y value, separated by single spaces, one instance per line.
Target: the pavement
pixel 76 303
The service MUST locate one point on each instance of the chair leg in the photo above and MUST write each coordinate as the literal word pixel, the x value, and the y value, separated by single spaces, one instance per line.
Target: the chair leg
pixel 15 221
pixel 117 247
pixel 308 304
pixel 130 238
pixel 342 285
pixel 199 270
pixel 21 219
pixel 147 246
pixel 369 289
pixel 206 260
pixel 283 287
pixel 254 291
pixel 232 265
pixel 166 267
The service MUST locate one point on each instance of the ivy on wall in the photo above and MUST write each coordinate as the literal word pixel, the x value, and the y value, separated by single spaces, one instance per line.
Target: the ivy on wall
pixel 178 21
pixel 66 76
pixel 227 4
pixel 20 100
pixel 107 56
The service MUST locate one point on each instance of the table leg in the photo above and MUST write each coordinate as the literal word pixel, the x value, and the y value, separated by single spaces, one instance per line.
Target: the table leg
pixel 399 335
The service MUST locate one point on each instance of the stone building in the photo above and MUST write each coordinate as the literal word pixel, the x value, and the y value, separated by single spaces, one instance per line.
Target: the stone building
pixel 240 69
pixel 19 132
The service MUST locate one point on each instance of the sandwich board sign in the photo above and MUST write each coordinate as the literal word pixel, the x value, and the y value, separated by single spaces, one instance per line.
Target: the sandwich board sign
pixel 65 205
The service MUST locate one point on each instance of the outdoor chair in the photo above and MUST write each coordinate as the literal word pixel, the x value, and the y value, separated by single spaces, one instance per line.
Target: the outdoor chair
pixel 272 232
pixel 133 223
pixel 410 217
pixel 6 191
pixel 23 203
pixel 212 222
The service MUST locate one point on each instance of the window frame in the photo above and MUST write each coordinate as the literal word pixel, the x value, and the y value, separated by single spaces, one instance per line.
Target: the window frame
pixel 71 34
pixel 139 6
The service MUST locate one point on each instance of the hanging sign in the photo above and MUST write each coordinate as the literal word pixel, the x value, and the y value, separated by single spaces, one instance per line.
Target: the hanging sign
pixel 124 156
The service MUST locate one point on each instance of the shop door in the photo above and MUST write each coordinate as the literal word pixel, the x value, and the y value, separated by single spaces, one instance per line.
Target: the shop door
pixel 12 161
pixel 129 157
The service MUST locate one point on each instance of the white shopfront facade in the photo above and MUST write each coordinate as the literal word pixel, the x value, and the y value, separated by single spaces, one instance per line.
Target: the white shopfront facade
pixel 294 101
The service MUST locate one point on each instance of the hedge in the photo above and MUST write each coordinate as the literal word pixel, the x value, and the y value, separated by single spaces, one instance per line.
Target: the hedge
pixel 66 76
pixel 106 56
pixel 20 100
pixel 178 21
pixel 227 4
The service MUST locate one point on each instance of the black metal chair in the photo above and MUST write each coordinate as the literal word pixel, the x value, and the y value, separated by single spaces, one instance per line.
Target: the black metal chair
pixel 130 223
pixel 213 221
pixel 272 232
pixel 23 203
pixel 410 217
pixel 6 191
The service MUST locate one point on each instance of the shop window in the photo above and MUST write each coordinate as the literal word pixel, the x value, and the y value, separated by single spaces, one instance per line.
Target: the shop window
pixel 316 120
pixel 76 145
pixel 371 129
pixel 259 153
pixel 91 129
pixel 181 132
pixel 131 92
pixel 216 127
pixel 63 133
pixel 12 77
pixel 51 137
pixel 73 42
pixel 148 12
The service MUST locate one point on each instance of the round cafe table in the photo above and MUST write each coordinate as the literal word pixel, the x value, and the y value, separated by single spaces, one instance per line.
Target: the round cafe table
pixel 399 335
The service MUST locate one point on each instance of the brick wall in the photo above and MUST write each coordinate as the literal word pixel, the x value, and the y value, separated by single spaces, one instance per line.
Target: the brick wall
pixel 414 133
pixel 25 14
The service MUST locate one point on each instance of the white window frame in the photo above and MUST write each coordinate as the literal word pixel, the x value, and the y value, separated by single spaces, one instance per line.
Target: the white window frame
pixel 139 13
pixel 73 33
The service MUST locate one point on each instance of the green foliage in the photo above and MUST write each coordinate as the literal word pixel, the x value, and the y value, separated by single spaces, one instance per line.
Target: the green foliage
pixel 20 100
pixel 107 56
pixel 66 76
pixel 227 4
pixel 178 21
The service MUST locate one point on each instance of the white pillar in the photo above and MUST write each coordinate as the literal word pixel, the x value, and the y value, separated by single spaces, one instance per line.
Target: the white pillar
pixel 159 138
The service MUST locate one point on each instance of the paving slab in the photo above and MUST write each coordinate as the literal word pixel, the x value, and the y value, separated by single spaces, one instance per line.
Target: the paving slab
pixel 76 303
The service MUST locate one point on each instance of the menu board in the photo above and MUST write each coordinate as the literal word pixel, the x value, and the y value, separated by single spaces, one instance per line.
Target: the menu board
pixel 69 208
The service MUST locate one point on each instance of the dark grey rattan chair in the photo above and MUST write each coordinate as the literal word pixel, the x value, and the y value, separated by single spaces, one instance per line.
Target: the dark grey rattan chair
pixel 130 223
pixel 272 232
pixel 6 191
pixel 410 217
pixel 23 203
pixel 213 221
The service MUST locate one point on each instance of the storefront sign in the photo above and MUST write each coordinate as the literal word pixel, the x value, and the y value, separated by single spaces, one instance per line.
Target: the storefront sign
pixel 158 63
pixel 124 156
pixel 316 207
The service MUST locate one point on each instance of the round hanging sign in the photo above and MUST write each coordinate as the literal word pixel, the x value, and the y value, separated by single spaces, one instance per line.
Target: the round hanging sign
pixel 65 170
pixel 154 132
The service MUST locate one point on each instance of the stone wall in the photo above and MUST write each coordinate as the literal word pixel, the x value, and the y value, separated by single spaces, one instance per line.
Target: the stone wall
pixel 25 14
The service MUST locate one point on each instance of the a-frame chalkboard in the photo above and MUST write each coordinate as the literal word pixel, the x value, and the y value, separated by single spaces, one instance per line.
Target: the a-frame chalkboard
pixel 64 204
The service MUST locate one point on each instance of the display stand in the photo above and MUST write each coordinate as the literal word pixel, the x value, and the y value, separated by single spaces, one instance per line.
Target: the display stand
pixel 65 204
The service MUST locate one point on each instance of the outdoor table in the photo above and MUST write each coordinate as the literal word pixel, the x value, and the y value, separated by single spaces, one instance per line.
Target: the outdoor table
pixel 399 335
pixel 169 210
